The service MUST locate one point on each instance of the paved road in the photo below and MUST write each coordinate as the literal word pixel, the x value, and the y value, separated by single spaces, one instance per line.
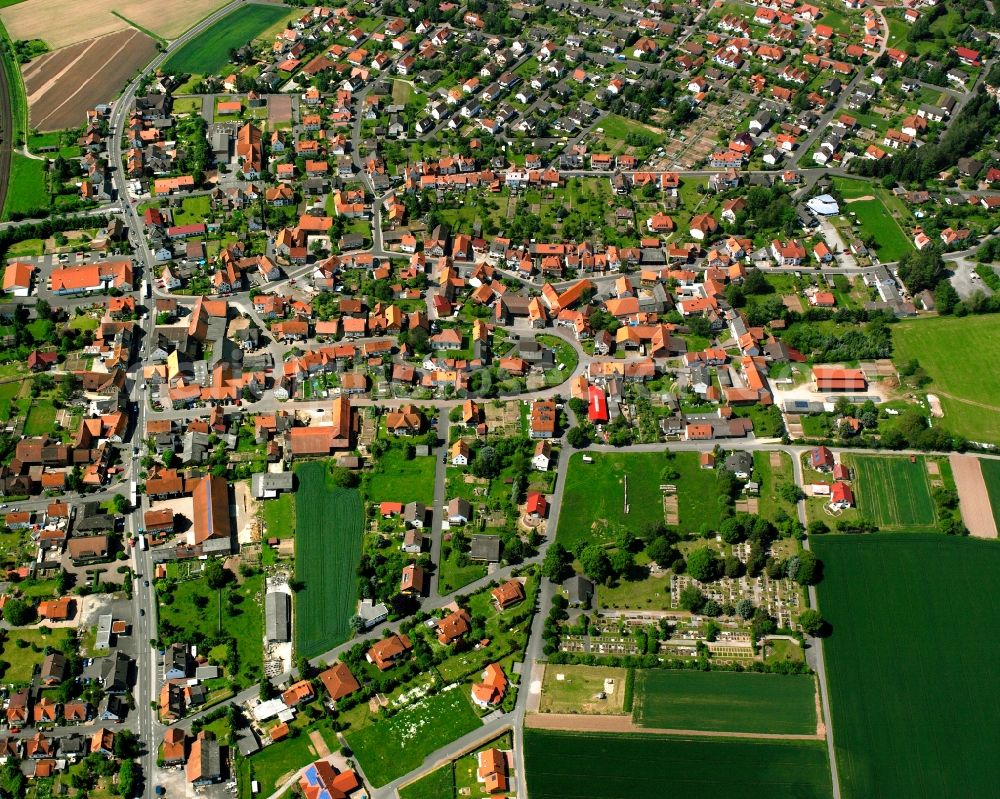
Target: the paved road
pixel 144 603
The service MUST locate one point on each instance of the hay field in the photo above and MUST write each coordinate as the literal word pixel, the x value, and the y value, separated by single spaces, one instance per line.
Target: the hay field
pixel 61 24
pixel 894 493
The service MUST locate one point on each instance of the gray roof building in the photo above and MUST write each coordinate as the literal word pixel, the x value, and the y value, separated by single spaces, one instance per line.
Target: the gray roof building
pixel 277 616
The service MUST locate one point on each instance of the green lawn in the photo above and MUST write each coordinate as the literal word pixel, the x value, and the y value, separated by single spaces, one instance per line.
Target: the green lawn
pixel 595 494
pixel 279 516
pixel 725 701
pixel 274 764
pixel 968 392
pixel 890 241
pixel 893 493
pixel 41 418
pixel 26 192
pixel 209 51
pixel 214 623
pixel 396 479
pixel 21 661
pixel 560 765
pixel 328 523
pixel 910 670
pixel 394 746
pixel 439 784
pixel 991 476
pixel 452 576
pixel 619 128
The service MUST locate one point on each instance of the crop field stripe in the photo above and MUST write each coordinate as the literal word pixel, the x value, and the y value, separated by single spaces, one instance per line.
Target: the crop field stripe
pixel 209 51
pixel 718 701
pixel 991 476
pixel 911 665
pixel 894 493
pixel 328 528
pixel 563 765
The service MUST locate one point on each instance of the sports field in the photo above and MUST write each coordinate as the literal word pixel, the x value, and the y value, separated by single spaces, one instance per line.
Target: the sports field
pixel 595 494
pixel 991 476
pixel 328 524
pixel 893 493
pixel 968 391
pixel 725 701
pixel 911 664
pixel 208 52
pixel 566 765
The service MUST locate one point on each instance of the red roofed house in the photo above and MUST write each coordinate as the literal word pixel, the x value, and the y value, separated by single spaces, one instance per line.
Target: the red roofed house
pixel 832 378
pixel 338 681
pixel 536 505
pixel 322 781
pixel 491 690
pixel 597 406
pixel 841 496
pixel 387 651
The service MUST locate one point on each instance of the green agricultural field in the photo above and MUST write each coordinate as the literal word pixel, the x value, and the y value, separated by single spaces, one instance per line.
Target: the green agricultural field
pixel 911 664
pixel 725 701
pixel 560 765
pixel 208 52
pixel 991 476
pixel 26 192
pixel 396 479
pixel 394 746
pixel 968 392
pixel 595 494
pixel 893 493
pixel 328 523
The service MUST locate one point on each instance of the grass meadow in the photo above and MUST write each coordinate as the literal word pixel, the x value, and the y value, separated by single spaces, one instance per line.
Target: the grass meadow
pixel 911 664
pixel 566 765
pixel 724 701
pixel 328 523
pixel 593 506
pixel 967 390
pixel 394 746
pixel 894 493
pixel 396 479
pixel 208 52
pixel 26 192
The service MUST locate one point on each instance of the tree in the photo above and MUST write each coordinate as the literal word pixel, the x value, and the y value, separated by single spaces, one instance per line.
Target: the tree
pixel 621 562
pixel 703 565
pixel 744 608
pixel 126 778
pixel 818 527
pixel 120 504
pixel 810 569
pixel 215 575
pixel 17 612
pixel 578 438
pixel 660 551
pixel 344 477
pixel 556 565
pixel 692 599
pixel 595 562
pixel 126 745
pixel 812 622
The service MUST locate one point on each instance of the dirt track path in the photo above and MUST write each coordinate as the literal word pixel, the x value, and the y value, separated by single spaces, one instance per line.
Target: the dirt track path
pixel 973 498
pixel 574 722
pixel 975 404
